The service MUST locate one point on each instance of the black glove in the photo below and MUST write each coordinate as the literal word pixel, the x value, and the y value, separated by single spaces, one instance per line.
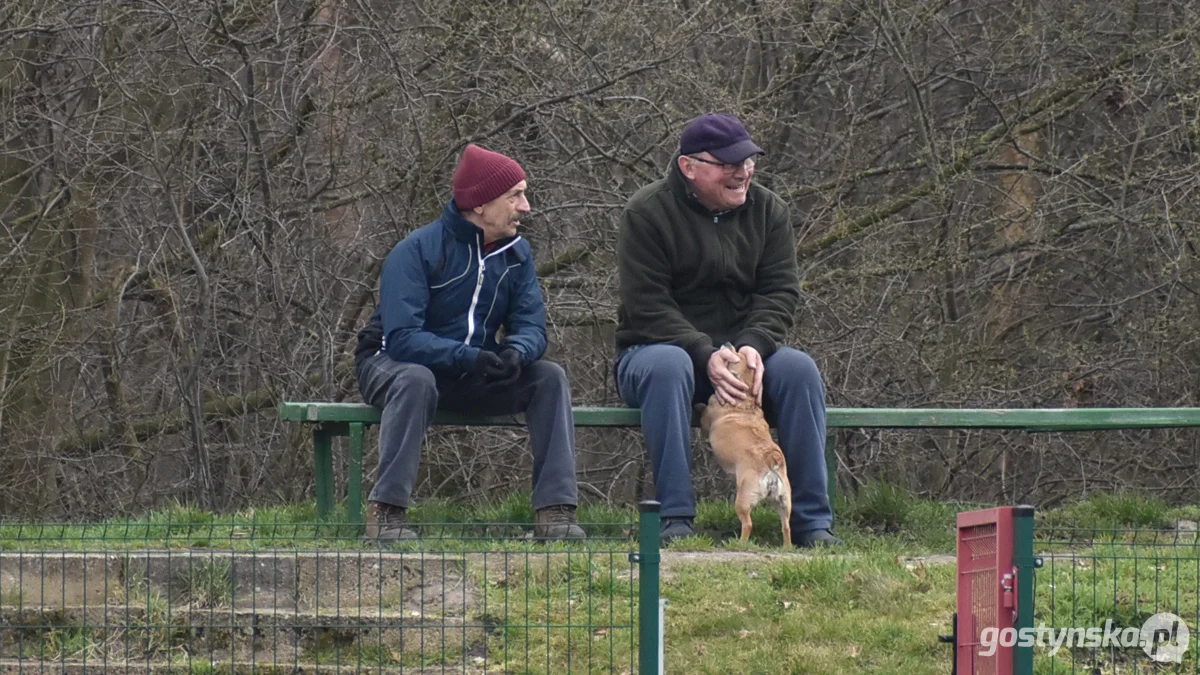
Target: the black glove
pixel 512 367
pixel 370 340
pixel 488 365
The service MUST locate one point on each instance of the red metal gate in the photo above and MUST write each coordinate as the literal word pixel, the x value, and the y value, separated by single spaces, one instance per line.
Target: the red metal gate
pixel 986 590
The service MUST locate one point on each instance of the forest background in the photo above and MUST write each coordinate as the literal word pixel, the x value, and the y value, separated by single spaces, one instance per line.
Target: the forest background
pixel 994 205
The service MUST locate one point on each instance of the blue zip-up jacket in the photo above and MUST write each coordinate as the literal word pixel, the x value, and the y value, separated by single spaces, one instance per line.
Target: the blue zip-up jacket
pixel 442 298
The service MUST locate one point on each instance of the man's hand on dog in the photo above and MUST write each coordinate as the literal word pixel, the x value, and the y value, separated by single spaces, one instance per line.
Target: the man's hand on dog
pixel 728 388
pixel 754 361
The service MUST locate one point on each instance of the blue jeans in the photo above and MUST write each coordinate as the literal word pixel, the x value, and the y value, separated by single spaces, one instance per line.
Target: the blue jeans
pixel 660 380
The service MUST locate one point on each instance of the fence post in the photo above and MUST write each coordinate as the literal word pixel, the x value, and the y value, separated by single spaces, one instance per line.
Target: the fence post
pixel 649 609
pixel 1025 563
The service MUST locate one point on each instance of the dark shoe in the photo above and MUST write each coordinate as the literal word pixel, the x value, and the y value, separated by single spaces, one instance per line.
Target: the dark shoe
pixel 387 523
pixel 557 523
pixel 817 539
pixel 675 528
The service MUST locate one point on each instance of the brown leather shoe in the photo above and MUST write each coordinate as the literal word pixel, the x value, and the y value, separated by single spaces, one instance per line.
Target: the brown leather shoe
pixel 557 523
pixel 387 523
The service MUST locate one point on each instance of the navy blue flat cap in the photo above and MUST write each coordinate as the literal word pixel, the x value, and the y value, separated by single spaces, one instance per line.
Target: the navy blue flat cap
pixel 722 136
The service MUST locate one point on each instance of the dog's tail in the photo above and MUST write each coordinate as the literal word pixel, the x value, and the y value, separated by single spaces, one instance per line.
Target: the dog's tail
pixel 773 485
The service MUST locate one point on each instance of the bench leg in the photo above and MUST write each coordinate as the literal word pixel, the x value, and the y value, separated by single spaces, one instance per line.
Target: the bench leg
pixel 323 468
pixel 354 475
pixel 831 467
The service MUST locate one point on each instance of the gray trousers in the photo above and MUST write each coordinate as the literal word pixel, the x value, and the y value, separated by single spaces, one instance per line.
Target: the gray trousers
pixel 408 394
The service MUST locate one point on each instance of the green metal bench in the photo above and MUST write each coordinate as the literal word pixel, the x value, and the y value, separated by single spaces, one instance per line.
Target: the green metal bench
pixel 329 420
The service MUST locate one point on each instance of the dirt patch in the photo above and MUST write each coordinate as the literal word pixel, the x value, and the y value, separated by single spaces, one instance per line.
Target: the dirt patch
pixel 670 558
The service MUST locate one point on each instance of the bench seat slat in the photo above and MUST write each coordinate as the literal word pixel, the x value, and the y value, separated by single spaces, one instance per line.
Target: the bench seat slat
pixel 1029 419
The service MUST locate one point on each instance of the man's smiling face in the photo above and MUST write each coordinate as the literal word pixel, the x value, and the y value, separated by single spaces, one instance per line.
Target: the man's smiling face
pixel 717 185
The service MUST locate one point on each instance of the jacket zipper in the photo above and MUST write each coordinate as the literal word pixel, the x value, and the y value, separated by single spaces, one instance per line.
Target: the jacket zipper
pixel 478 288
pixel 479 282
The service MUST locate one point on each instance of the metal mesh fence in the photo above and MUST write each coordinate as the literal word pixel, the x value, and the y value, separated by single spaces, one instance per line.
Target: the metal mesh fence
pixel 313 597
pixel 1119 600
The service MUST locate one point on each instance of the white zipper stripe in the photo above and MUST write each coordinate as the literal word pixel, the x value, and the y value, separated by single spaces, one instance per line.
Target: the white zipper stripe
pixel 478 287
pixel 464 273
pixel 479 282
pixel 496 295
pixel 505 247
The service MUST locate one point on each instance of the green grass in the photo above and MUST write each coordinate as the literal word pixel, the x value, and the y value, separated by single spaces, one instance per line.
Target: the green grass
pixel 880 519
pixel 554 608
pixel 443 525
pixel 68 643
pixel 824 614
pixel 208 583
pixel 1121 509
pixel 821 614
pixel 556 614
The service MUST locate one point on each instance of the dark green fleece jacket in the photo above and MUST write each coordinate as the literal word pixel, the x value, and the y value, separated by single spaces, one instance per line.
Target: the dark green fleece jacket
pixel 696 279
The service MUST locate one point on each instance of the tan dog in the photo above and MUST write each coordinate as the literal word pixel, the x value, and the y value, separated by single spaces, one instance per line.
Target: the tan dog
pixel 741 440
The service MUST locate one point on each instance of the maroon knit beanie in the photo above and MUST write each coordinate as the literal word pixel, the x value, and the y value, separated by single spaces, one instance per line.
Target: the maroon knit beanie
pixel 483 175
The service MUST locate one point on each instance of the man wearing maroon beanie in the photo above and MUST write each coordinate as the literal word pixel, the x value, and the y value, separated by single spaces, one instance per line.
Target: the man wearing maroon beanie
pixel 445 291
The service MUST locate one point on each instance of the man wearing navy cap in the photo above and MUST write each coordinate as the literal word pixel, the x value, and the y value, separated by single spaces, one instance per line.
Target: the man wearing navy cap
pixel 705 256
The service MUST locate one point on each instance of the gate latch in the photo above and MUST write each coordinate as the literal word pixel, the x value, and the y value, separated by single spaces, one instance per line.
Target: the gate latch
pixel 1008 584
